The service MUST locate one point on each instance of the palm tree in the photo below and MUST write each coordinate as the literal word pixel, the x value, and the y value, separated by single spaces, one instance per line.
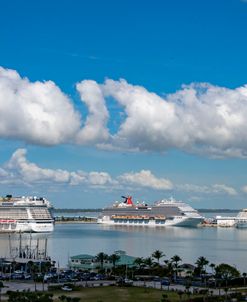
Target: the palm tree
pixel 158 255
pixel 212 266
pixel 175 260
pixel 226 291
pixel 45 268
pixel 148 261
pixel 139 261
pixel 29 265
pixel 244 276
pixel 187 287
pixel 33 268
pixel 101 257
pixel 201 263
pixel 169 268
pixel 114 258
pixel 13 265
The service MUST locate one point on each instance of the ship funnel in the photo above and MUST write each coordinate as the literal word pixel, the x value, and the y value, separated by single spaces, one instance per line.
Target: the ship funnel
pixel 128 200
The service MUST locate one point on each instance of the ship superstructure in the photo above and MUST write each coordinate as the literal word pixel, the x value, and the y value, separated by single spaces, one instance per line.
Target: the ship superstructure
pixel 166 212
pixel 25 214
pixel 241 219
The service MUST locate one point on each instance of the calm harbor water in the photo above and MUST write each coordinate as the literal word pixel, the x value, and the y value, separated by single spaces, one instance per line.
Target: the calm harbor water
pixel 216 244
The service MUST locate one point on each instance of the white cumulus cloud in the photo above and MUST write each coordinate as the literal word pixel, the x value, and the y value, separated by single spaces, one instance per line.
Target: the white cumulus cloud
pixel 145 178
pixel 95 129
pixel 19 170
pixel 100 178
pixel 221 188
pixel 37 113
pixel 199 118
pixel 40 113
pixel 30 172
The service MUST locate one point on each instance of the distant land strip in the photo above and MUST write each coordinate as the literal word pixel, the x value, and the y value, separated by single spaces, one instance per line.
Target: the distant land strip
pixel 75 210
pixel 75 219
pixel 218 210
pixel 64 210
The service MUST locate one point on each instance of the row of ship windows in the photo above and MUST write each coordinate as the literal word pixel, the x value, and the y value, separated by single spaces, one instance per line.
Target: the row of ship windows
pixel 14 215
pixel 41 216
pixel 7 226
pixel 138 221
pixel 23 214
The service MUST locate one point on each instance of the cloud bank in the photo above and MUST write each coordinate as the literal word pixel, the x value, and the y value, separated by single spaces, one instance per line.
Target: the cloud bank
pixel 18 170
pixel 199 118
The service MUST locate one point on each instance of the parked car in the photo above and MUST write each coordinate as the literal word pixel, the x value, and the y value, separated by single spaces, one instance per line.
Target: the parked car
pixel 17 276
pixel 100 277
pixel 4 277
pixel 128 282
pixel 27 276
pixel 156 278
pixel 66 288
pixel 165 281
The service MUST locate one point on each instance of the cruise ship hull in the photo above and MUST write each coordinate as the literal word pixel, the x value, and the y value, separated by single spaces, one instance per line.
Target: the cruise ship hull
pixel 175 221
pixel 26 227
pixel 241 224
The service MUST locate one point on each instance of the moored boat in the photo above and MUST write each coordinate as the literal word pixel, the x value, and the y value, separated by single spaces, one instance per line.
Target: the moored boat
pixel 166 212
pixel 25 214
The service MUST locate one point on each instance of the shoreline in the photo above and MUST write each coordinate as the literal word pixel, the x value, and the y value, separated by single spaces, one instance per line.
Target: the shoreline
pixel 202 210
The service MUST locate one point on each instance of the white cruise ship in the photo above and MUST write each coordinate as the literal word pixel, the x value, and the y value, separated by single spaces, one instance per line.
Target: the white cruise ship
pixel 163 213
pixel 241 219
pixel 25 214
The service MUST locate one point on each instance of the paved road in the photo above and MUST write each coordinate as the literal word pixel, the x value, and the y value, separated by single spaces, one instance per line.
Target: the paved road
pixel 29 285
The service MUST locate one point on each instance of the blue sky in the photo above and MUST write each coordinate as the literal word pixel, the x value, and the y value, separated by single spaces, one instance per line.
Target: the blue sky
pixel 104 98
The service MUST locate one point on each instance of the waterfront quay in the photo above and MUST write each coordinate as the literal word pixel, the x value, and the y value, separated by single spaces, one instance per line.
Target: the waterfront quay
pixel 75 219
